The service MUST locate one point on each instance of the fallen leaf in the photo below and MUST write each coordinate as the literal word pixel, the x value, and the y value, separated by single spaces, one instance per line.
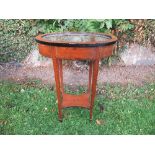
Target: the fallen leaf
pixel 99 122
pixel 53 110
pixel 3 122
pixel 22 90
pixel 45 109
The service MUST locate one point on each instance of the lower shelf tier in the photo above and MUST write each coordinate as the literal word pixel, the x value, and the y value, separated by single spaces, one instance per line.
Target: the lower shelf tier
pixel 76 100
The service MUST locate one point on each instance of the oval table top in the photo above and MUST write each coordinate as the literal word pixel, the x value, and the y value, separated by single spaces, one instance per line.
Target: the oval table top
pixel 76 39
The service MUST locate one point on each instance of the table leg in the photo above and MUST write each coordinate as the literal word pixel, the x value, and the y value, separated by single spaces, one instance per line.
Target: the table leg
pixel 90 76
pixel 61 75
pixel 57 66
pixel 95 66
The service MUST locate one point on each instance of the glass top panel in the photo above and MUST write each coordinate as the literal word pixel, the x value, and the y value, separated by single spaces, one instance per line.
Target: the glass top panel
pixel 79 38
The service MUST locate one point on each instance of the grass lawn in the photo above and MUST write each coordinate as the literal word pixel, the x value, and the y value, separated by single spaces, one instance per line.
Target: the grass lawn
pixel 31 108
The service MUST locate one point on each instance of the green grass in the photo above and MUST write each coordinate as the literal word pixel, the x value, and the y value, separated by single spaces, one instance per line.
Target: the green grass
pixel 31 108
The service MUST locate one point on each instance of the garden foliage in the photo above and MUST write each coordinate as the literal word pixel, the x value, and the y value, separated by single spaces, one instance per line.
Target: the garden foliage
pixel 17 36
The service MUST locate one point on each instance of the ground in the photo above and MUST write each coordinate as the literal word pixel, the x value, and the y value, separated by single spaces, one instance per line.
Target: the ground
pixel 31 108
pixel 121 74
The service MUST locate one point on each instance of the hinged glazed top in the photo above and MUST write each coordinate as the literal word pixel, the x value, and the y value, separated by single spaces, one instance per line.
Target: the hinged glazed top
pixel 76 39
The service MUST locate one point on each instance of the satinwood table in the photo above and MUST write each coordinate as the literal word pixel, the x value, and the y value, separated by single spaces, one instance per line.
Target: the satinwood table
pixel 76 46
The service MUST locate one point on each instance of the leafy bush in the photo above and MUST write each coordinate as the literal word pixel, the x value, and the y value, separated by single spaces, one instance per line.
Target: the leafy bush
pixel 144 32
pixel 150 32
pixel 15 41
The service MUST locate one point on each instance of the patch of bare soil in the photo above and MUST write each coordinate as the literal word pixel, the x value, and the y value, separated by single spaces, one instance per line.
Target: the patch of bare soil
pixel 137 75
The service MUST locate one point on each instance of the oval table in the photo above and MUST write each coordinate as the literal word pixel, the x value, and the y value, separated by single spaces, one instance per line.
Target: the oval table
pixel 76 46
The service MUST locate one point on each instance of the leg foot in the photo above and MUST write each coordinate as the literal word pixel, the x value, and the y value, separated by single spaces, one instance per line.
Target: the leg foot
pixel 60 120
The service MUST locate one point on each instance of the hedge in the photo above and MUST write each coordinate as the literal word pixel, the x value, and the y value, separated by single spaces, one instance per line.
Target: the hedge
pixel 17 36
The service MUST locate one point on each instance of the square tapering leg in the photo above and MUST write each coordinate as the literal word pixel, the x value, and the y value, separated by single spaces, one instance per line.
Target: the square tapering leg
pixel 94 73
pixel 58 81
